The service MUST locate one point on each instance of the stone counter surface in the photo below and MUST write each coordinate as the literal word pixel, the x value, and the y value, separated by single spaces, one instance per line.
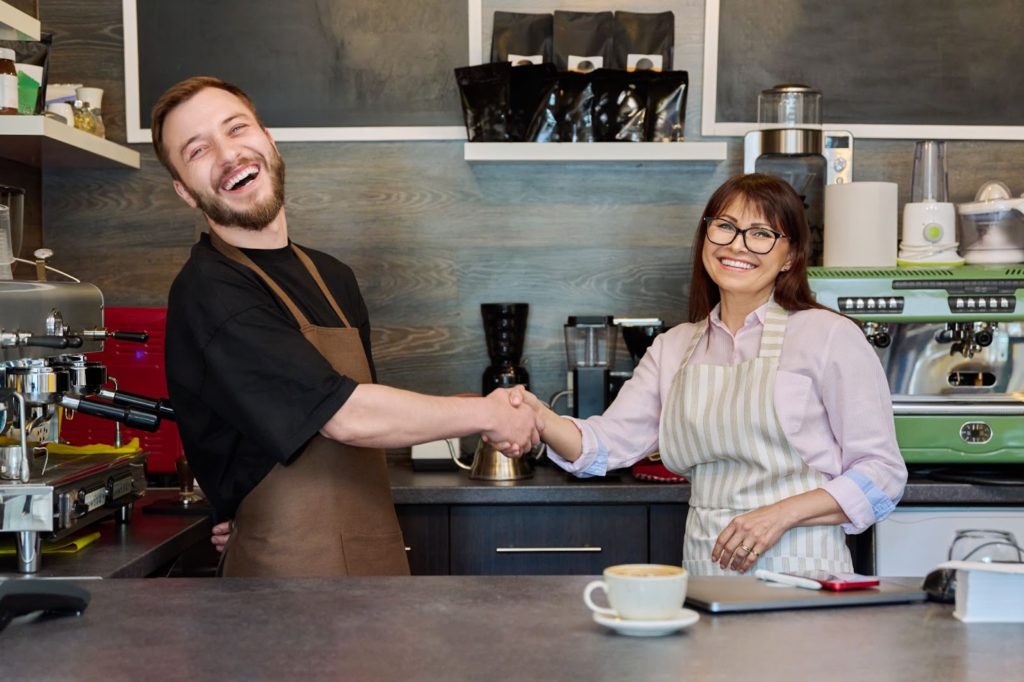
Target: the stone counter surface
pixel 478 628
pixel 551 485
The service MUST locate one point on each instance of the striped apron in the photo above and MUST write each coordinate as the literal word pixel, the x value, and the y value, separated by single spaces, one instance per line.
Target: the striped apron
pixel 719 427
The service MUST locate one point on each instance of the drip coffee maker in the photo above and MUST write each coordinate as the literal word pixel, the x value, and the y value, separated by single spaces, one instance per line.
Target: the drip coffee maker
pixel 929 220
pixel 505 331
pixel 590 350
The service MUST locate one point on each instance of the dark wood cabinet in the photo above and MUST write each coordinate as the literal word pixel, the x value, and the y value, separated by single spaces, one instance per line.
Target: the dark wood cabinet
pixel 539 539
pixel 546 539
pixel 425 529
pixel 667 523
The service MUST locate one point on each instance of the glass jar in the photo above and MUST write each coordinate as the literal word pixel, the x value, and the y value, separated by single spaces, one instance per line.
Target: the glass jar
pixel 8 83
pixel 84 118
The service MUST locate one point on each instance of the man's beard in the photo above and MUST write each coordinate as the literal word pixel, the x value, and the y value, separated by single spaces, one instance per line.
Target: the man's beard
pixel 255 218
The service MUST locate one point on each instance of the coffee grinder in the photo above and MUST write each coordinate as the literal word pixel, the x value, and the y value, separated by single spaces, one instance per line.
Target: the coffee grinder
pixel 590 350
pixel 505 332
pixel 791 145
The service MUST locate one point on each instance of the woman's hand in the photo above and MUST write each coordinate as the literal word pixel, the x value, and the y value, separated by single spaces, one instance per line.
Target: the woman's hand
pixel 750 535
pixel 520 398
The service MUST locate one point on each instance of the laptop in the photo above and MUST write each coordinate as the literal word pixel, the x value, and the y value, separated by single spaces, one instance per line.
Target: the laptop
pixel 729 594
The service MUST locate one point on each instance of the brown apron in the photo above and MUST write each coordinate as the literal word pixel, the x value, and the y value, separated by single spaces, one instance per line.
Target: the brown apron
pixel 329 512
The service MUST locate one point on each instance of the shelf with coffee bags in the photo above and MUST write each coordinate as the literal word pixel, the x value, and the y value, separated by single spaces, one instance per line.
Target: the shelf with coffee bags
pixel 42 141
pixel 16 25
pixel 543 152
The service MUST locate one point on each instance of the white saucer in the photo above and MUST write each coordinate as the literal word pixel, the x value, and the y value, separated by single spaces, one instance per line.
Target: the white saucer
pixel 648 628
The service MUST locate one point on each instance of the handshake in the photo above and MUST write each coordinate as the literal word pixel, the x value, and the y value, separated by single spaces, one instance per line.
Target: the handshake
pixel 517 421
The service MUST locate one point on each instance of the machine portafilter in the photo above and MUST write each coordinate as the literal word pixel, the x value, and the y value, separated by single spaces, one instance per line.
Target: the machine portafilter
pixel 967 338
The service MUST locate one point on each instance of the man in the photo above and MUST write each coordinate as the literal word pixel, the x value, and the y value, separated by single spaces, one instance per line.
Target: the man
pixel 269 366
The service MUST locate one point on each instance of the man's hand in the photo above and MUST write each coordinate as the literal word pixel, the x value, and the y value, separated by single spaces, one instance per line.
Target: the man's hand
pixel 221 535
pixel 516 428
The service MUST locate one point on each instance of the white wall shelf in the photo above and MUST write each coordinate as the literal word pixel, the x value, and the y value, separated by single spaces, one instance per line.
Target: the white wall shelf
pixel 46 143
pixel 543 152
pixel 16 25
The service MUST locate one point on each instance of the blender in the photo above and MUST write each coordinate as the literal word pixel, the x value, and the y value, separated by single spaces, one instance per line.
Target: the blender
pixel 929 220
pixel 791 145
pixel 505 332
pixel 590 350
pixel 992 226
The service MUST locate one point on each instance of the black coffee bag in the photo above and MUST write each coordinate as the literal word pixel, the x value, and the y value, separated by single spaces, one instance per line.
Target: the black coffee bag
pixel 583 40
pixel 565 115
pixel 530 85
pixel 644 42
pixel 666 105
pixel 485 91
pixel 521 38
pixel 620 105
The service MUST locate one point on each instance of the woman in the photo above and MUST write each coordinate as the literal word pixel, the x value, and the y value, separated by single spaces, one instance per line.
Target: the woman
pixel 776 408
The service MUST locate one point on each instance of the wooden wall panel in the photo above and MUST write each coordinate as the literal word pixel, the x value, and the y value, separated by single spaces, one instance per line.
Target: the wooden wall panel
pixel 429 236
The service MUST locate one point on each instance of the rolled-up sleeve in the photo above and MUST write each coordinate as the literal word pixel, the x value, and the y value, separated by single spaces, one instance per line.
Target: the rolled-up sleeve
pixel 859 407
pixel 628 430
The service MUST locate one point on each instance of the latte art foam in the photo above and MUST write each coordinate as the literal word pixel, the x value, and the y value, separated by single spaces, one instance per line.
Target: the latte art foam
pixel 644 571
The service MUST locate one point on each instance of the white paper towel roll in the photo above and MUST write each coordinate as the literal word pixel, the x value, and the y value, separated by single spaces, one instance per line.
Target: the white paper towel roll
pixel 860 224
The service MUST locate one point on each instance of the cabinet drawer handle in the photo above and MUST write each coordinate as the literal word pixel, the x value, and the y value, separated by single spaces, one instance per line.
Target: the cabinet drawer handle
pixel 408 549
pixel 535 550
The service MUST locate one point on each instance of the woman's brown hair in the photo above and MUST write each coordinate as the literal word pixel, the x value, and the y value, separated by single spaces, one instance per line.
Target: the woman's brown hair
pixel 784 210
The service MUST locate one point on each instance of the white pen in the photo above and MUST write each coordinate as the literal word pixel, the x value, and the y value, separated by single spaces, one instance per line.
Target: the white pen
pixel 795 581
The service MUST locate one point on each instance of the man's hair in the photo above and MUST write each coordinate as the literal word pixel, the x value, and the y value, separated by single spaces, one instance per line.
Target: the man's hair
pixel 178 94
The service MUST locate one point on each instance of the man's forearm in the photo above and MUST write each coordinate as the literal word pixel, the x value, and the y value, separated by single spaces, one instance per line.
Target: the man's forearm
pixel 386 417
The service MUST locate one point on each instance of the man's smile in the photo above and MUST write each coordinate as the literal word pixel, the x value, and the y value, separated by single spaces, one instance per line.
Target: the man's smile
pixel 240 177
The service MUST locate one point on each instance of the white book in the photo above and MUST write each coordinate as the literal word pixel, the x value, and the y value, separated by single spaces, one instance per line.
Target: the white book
pixel 988 592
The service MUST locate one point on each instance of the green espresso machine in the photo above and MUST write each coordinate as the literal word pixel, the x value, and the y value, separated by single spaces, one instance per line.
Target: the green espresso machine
pixel 951 341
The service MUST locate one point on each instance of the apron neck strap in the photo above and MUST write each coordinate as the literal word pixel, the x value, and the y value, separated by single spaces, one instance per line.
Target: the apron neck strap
pixel 235 254
pixel 315 274
pixel 775 319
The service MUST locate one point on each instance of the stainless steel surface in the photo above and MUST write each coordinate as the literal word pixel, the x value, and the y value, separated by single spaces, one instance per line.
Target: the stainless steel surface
pixel 28 546
pixel 796 141
pixel 490 465
pixel 54 494
pixel 923 361
pixel 539 550
pixel 26 305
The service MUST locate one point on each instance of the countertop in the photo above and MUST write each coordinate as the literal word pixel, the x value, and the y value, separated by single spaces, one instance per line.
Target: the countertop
pixel 551 485
pixel 133 550
pixel 471 628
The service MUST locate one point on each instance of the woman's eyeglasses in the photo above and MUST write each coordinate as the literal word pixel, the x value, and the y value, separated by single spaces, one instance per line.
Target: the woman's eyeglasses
pixel 760 240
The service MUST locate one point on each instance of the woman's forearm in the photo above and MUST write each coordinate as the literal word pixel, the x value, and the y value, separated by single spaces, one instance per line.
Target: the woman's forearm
pixel 561 435
pixel 813 508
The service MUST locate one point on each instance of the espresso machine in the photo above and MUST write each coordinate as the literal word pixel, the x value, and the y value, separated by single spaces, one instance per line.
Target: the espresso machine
pixel 505 332
pixel 790 144
pixel 951 341
pixel 47 328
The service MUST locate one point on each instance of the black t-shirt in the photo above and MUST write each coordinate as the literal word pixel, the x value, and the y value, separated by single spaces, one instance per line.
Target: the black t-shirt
pixel 248 389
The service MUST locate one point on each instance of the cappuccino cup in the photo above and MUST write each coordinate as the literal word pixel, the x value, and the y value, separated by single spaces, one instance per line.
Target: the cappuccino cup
pixel 640 591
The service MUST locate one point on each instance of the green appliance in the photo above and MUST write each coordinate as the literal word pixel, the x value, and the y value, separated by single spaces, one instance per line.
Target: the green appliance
pixel 951 341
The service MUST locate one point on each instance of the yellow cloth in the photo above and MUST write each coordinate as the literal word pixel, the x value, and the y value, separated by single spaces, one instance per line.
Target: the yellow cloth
pixel 65 546
pixel 133 446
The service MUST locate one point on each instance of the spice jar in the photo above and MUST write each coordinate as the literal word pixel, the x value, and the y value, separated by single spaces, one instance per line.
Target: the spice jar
pixel 8 82
pixel 92 98
pixel 84 119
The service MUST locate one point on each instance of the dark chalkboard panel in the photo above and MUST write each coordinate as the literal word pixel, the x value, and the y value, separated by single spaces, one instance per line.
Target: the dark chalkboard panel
pixel 877 62
pixel 311 63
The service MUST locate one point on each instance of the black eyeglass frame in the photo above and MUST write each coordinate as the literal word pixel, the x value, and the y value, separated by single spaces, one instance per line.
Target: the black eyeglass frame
pixel 740 231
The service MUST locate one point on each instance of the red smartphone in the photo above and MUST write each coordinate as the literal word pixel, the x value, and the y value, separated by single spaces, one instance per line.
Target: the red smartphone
pixel 839 581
